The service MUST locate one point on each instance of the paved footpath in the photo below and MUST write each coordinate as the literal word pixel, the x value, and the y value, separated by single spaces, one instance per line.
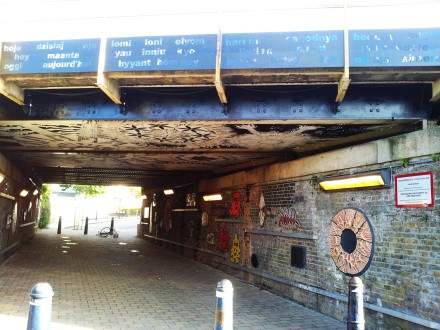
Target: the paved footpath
pixel 128 283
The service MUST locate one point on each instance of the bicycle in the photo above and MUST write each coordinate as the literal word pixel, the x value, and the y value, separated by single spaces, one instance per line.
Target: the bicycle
pixel 107 231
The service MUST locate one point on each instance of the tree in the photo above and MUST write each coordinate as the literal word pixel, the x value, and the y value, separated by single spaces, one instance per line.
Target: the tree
pixel 45 207
pixel 87 191
pixel 135 191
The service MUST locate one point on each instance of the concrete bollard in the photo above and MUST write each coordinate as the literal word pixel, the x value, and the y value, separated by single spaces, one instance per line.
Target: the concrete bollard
pixel 112 226
pixel 86 226
pixel 224 309
pixel 355 319
pixel 40 309
pixel 59 226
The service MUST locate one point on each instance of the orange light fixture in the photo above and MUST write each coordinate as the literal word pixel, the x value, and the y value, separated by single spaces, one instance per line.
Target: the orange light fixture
pixel 367 180
pixel 210 198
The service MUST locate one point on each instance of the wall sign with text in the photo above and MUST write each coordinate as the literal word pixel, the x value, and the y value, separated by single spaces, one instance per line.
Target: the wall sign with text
pixel 419 47
pixel 54 56
pixel 274 50
pixel 394 48
pixel 153 53
pixel 414 190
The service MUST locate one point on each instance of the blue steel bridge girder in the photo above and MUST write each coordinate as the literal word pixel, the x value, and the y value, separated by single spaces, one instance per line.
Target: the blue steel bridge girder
pixel 187 134
pixel 301 104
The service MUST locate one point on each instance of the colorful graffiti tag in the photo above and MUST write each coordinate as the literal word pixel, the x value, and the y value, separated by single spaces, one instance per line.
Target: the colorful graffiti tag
pixel 262 212
pixel 224 239
pixel 288 219
pixel 235 250
pixel 234 211
pixel 210 239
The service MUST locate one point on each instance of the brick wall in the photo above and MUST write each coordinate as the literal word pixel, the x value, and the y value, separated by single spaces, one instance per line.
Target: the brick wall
pixel 405 271
pixel 403 278
pixel 18 215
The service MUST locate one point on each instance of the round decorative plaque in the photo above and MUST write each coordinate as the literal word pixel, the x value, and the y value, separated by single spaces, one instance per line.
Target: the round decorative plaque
pixel 351 241
pixel 205 217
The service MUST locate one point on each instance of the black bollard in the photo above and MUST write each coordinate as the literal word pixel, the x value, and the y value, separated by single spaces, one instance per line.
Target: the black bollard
pixel 86 226
pixel 59 226
pixel 224 309
pixel 112 226
pixel 40 309
pixel 355 320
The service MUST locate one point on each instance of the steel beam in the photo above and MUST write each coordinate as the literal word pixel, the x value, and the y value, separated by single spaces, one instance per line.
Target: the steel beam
pixel 11 91
pixel 218 79
pixel 364 104
pixel 436 90
pixel 109 86
pixel 344 82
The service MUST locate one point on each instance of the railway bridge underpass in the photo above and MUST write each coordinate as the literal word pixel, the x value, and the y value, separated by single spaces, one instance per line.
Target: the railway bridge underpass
pixel 261 129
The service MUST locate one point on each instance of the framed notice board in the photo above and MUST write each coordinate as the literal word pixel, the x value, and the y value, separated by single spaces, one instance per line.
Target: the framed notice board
pixel 414 190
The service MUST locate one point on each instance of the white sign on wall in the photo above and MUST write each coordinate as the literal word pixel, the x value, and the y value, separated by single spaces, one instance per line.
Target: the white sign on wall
pixel 414 190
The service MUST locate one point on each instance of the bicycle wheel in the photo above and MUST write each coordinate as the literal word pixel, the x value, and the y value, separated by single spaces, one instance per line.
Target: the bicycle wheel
pixel 104 231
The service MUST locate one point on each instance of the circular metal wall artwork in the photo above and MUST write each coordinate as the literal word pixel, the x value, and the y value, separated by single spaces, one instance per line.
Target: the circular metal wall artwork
pixel 351 241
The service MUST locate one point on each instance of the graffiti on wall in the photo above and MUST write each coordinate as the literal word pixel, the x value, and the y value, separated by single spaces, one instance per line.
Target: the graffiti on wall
pixel 235 250
pixel 210 239
pixel 224 239
pixel 205 218
pixel 262 212
pixel 288 219
pixel 191 199
pixel 234 211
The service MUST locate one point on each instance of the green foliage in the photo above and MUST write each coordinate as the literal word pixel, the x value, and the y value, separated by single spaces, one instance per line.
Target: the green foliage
pixel 85 190
pixel 135 191
pixel 45 207
pixel 435 157
pixel 405 162
pixel 314 180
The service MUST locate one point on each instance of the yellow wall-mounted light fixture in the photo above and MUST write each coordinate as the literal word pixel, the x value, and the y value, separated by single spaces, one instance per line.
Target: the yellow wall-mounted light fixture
pixel 210 198
pixel 1 178
pixel 35 192
pixel 168 191
pixel 24 193
pixel 376 179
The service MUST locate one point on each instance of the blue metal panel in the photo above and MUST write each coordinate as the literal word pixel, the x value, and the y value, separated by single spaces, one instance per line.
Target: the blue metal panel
pixel 183 52
pixel 395 48
pixel 313 49
pixel 277 50
pixel 364 102
pixel 55 56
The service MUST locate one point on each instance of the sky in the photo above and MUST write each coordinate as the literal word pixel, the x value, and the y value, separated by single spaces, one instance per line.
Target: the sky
pixel 74 19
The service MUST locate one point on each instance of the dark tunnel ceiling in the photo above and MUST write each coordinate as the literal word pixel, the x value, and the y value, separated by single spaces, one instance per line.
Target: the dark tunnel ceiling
pixel 93 147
